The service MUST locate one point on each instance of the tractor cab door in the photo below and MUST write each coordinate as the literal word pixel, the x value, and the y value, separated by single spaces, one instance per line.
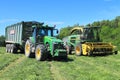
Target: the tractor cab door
pixel 40 35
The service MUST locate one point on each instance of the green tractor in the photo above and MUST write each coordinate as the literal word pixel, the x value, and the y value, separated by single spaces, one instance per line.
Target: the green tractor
pixel 86 41
pixel 43 44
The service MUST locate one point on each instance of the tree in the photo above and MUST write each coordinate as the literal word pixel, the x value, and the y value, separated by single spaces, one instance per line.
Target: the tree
pixel 2 40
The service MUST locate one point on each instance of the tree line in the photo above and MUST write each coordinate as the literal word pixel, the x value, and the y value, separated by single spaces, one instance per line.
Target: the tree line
pixel 2 40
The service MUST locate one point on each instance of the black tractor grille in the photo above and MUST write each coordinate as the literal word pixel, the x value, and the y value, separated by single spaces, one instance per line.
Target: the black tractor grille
pixel 58 46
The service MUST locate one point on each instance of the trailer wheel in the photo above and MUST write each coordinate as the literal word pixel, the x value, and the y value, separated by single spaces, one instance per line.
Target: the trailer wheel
pixel 40 53
pixel 8 48
pixel 78 49
pixel 28 49
pixel 68 48
pixel 13 48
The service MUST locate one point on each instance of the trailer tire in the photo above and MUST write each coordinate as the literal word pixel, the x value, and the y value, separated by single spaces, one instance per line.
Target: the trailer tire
pixel 9 48
pixel 40 53
pixel 78 50
pixel 13 49
pixel 28 49
pixel 6 48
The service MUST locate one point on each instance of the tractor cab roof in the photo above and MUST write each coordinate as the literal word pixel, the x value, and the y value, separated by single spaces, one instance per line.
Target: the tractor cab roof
pixel 41 25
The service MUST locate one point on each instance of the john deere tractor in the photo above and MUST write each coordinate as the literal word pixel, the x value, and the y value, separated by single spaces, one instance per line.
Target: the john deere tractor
pixel 86 41
pixel 44 44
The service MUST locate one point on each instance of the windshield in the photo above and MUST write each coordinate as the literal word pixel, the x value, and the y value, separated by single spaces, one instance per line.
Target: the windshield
pixel 91 34
pixel 45 32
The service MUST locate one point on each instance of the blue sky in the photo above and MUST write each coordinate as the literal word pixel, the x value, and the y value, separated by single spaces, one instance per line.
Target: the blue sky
pixel 57 12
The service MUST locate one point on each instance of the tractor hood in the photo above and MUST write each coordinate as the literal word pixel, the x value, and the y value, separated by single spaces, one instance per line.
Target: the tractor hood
pixel 56 46
pixel 51 39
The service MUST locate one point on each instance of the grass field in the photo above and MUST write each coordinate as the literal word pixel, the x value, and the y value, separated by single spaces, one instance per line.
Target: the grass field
pixel 18 67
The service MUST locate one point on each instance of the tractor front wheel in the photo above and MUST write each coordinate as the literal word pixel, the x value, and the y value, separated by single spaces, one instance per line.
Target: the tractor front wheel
pixel 40 53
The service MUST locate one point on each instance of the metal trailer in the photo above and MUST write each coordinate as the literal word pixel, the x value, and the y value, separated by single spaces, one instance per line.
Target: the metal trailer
pixel 17 34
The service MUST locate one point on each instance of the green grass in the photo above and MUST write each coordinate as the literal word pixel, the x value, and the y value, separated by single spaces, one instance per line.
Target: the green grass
pixel 90 68
pixel 18 67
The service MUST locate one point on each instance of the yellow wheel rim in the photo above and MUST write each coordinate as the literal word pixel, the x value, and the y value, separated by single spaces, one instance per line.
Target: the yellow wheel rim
pixel 38 53
pixel 78 50
pixel 27 48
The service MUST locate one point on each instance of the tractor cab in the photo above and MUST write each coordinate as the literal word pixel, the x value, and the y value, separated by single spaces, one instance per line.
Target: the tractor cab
pixel 40 31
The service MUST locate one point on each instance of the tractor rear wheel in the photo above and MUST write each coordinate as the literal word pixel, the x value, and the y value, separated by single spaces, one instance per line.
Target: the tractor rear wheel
pixel 28 49
pixel 78 49
pixel 40 53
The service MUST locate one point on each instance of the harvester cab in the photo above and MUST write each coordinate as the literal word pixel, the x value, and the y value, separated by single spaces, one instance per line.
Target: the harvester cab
pixel 44 44
pixel 86 41
pixel 87 34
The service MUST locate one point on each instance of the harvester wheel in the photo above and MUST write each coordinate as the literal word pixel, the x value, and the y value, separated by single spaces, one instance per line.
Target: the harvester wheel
pixel 78 49
pixel 68 48
pixel 28 49
pixel 40 53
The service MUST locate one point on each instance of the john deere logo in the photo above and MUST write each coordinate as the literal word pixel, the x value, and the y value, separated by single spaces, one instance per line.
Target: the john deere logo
pixel 12 32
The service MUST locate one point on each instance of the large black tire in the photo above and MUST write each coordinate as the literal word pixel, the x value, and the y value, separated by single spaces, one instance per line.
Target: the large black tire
pixel 78 49
pixel 13 48
pixel 69 50
pixel 40 53
pixel 6 48
pixel 9 48
pixel 28 49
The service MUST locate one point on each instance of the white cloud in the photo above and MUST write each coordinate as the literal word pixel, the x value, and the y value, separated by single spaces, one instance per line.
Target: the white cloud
pixel 8 20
